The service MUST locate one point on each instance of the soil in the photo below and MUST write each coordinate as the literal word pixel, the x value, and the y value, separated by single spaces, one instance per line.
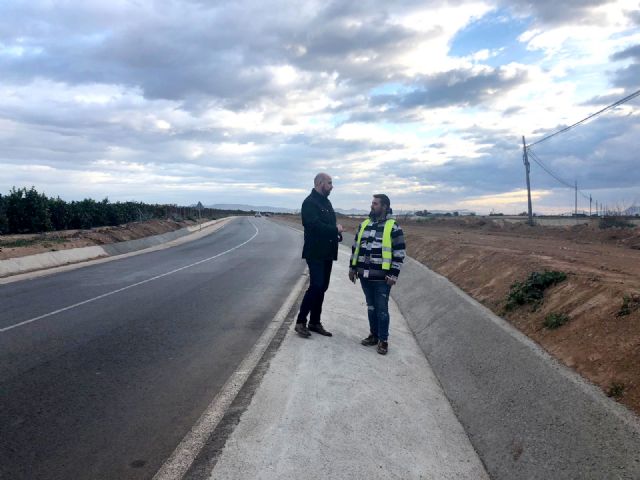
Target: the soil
pixel 601 341
pixel 12 246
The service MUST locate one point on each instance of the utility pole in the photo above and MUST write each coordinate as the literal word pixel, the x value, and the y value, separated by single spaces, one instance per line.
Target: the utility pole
pixel 590 200
pixel 527 167
pixel 576 209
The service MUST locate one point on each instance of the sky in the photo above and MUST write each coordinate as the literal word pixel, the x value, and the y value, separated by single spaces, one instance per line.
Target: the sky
pixel 245 101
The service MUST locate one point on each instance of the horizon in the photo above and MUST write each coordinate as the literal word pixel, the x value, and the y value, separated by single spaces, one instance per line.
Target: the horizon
pixel 256 207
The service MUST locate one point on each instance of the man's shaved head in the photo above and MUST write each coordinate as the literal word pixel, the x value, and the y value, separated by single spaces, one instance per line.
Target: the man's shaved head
pixel 323 184
pixel 321 178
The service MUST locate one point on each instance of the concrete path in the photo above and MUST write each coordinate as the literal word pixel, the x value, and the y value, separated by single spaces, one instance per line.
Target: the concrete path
pixel 332 408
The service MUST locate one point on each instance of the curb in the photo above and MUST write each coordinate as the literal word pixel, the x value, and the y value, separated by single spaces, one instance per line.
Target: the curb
pixel 32 264
pixel 181 461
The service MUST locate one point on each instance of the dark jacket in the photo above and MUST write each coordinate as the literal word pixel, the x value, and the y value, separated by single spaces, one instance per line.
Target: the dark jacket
pixel 320 231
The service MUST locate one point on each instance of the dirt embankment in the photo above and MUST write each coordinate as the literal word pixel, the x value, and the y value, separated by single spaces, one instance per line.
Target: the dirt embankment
pixel 601 339
pixel 12 246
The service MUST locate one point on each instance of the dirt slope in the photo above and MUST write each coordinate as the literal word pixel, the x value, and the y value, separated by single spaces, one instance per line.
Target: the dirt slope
pixel 12 246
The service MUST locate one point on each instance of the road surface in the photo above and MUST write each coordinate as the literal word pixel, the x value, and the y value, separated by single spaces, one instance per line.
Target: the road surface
pixel 104 369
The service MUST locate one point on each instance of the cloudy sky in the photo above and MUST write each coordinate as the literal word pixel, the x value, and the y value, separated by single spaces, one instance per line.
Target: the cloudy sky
pixel 244 101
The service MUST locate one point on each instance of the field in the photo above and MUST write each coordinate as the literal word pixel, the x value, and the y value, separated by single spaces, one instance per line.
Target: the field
pixel 599 300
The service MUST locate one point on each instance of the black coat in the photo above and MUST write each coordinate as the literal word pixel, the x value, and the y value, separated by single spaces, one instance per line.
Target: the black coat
pixel 320 231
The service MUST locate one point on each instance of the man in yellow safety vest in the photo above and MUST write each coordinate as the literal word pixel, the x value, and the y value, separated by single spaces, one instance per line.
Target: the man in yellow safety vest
pixel 376 259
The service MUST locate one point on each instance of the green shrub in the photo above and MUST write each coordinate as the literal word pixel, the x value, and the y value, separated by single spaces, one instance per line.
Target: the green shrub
pixel 532 289
pixel 4 221
pixel 27 211
pixel 555 320
pixel 616 390
pixel 614 222
pixel 630 303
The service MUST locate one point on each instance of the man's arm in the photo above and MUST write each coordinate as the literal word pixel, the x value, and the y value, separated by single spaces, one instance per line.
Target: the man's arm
pixel 311 221
pixel 354 245
pixel 353 271
pixel 398 248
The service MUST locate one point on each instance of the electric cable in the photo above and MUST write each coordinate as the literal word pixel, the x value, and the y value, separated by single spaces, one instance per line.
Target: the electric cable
pixel 609 107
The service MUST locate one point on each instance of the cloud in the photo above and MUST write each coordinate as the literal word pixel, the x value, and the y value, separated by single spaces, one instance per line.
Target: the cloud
pixel 458 87
pixel 549 12
pixel 245 101
pixel 629 76
pixel 631 52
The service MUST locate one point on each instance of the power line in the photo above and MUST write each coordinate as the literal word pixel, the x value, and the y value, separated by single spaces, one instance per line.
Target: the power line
pixel 537 160
pixel 609 107
pixel 527 151
pixel 546 169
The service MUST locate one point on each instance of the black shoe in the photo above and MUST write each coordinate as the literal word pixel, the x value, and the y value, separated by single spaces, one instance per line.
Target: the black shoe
pixel 370 341
pixel 383 347
pixel 318 328
pixel 302 330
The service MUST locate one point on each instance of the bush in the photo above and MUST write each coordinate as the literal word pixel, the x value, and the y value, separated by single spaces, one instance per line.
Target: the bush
pixel 630 303
pixel 616 390
pixel 532 289
pixel 4 221
pixel 60 214
pixel 614 222
pixel 27 211
pixel 555 320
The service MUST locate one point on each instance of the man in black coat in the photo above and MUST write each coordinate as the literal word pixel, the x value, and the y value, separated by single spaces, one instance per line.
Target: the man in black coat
pixel 321 236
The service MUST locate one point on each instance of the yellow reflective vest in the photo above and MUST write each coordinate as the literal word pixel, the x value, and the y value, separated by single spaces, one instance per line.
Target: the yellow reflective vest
pixel 387 252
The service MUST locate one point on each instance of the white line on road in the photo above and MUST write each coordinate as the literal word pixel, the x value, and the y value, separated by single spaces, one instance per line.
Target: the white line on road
pixel 55 312
pixel 185 453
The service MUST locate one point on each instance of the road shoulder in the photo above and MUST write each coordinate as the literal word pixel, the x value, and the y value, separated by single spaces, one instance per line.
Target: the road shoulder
pixel 331 408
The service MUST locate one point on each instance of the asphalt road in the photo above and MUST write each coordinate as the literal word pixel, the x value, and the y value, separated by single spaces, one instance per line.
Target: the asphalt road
pixel 108 388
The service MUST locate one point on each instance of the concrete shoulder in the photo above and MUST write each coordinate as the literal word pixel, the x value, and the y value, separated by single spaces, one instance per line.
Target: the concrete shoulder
pixel 332 408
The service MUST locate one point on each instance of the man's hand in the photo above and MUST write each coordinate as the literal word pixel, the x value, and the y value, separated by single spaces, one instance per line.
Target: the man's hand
pixel 353 275
pixel 340 228
pixel 391 280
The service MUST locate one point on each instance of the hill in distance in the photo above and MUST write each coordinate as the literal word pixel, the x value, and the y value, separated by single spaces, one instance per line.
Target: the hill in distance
pixel 250 208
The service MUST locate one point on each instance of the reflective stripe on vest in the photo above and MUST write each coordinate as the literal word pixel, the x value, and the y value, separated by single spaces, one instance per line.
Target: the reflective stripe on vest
pixel 387 251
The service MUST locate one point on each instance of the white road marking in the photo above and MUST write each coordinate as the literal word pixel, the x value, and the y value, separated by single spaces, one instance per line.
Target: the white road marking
pixel 55 312
pixel 186 452
pixel 97 261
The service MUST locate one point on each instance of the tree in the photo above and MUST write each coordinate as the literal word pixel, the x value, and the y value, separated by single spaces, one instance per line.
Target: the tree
pixel 4 221
pixel 27 211
pixel 59 213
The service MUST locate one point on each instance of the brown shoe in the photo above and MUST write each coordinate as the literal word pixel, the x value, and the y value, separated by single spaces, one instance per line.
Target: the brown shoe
pixel 302 330
pixel 383 347
pixel 370 341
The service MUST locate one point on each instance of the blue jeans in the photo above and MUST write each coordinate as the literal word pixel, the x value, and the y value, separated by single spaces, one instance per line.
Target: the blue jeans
pixel 377 295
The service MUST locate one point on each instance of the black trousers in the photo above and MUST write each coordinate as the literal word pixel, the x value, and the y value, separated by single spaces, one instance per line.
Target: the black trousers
pixel 319 276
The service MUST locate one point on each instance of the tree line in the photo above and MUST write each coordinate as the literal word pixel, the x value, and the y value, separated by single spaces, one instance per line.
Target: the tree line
pixel 27 211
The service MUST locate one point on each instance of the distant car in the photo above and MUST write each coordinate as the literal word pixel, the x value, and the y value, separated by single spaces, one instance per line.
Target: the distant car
pixel 258 214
